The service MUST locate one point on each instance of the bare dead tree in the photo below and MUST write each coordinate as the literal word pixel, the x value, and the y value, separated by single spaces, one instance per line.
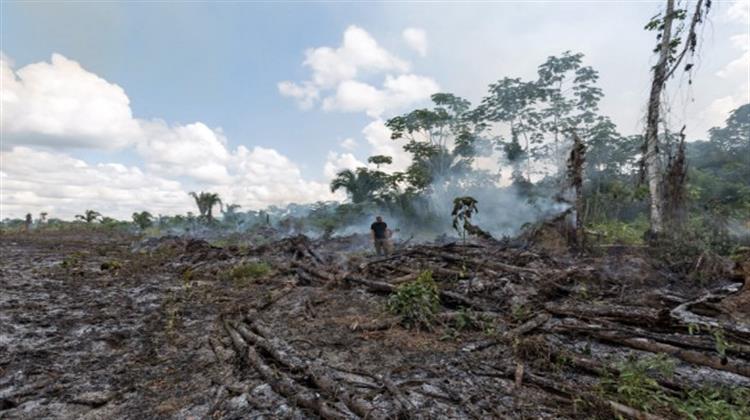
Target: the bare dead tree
pixel 668 62
pixel 675 194
pixel 575 178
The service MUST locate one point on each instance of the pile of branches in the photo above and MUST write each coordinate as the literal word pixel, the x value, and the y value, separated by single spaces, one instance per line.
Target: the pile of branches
pixel 547 314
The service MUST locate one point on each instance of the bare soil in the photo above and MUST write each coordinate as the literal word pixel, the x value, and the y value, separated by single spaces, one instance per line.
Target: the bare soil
pixel 105 325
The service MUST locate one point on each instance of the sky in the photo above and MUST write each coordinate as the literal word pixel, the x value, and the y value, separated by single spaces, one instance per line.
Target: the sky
pixel 128 106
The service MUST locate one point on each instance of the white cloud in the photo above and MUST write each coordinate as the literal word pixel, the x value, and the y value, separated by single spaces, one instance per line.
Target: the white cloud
pixel 265 177
pixel 358 52
pixel 61 104
pixel 185 150
pixel 337 162
pixel 336 72
pixel 736 73
pixel 349 144
pixel 306 93
pixel 397 92
pixel 416 39
pixel 35 181
pixel 739 11
pixel 740 66
pixel 379 138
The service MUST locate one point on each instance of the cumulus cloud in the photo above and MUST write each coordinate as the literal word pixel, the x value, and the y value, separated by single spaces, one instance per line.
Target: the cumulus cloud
pixel 185 150
pixel 305 93
pixel 397 92
pixel 35 181
pixel 379 138
pixel 58 103
pixel 416 39
pixel 335 79
pixel 349 144
pixel 358 52
pixel 736 72
pixel 265 177
pixel 338 162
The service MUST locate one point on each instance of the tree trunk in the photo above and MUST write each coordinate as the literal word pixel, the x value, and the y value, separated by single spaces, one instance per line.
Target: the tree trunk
pixel 652 159
pixel 575 177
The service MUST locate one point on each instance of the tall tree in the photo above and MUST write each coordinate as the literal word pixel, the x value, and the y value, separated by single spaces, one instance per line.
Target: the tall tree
pixel 206 202
pixel 89 216
pixel 443 141
pixel 669 60
pixel 362 185
pixel 143 219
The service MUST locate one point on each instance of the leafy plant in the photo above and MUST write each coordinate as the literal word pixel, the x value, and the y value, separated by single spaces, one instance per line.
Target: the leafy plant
pixel 244 272
pixel 417 302
pixel 636 384
pixel 715 404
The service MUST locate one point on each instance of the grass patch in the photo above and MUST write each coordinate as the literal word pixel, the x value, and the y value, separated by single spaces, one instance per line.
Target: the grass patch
pixel 243 273
pixel 417 302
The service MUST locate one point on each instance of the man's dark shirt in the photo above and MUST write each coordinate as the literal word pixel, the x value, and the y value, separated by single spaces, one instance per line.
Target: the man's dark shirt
pixel 379 228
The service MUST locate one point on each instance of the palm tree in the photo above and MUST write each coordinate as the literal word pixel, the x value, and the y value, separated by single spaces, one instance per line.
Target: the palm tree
pixel 206 202
pixel 143 219
pixel 361 184
pixel 89 216
pixel 230 214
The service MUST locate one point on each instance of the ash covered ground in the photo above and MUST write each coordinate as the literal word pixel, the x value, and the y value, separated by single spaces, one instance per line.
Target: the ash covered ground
pixel 105 325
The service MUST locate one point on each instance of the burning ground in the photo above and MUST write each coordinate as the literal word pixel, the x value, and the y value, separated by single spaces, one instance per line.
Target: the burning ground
pixel 102 325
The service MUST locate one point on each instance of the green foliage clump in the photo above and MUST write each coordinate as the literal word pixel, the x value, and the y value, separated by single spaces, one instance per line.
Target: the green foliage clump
pixel 242 273
pixel 636 385
pixel 715 404
pixel 417 302
pixel 620 232
pixel 72 260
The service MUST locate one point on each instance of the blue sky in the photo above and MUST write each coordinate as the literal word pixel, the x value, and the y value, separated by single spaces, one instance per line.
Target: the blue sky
pixel 220 64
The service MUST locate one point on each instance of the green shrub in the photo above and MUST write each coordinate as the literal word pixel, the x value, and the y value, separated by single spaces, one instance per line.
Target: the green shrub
pixel 619 232
pixel 715 404
pixel 417 301
pixel 244 272
pixel 636 384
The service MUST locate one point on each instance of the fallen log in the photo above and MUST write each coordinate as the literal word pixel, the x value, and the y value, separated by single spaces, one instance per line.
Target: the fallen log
pixel 632 412
pixel 286 387
pixel 281 383
pixel 446 296
pixel 522 329
pixel 690 356
pixel 648 317
pixel 319 375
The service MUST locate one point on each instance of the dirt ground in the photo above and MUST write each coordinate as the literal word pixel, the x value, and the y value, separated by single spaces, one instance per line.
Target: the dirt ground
pixel 104 325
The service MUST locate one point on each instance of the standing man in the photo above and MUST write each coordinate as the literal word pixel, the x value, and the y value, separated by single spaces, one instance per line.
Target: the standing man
pixel 380 236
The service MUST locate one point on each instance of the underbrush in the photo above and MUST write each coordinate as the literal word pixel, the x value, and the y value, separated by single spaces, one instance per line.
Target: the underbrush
pixel 417 302
pixel 615 231
pixel 242 274
pixel 637 386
